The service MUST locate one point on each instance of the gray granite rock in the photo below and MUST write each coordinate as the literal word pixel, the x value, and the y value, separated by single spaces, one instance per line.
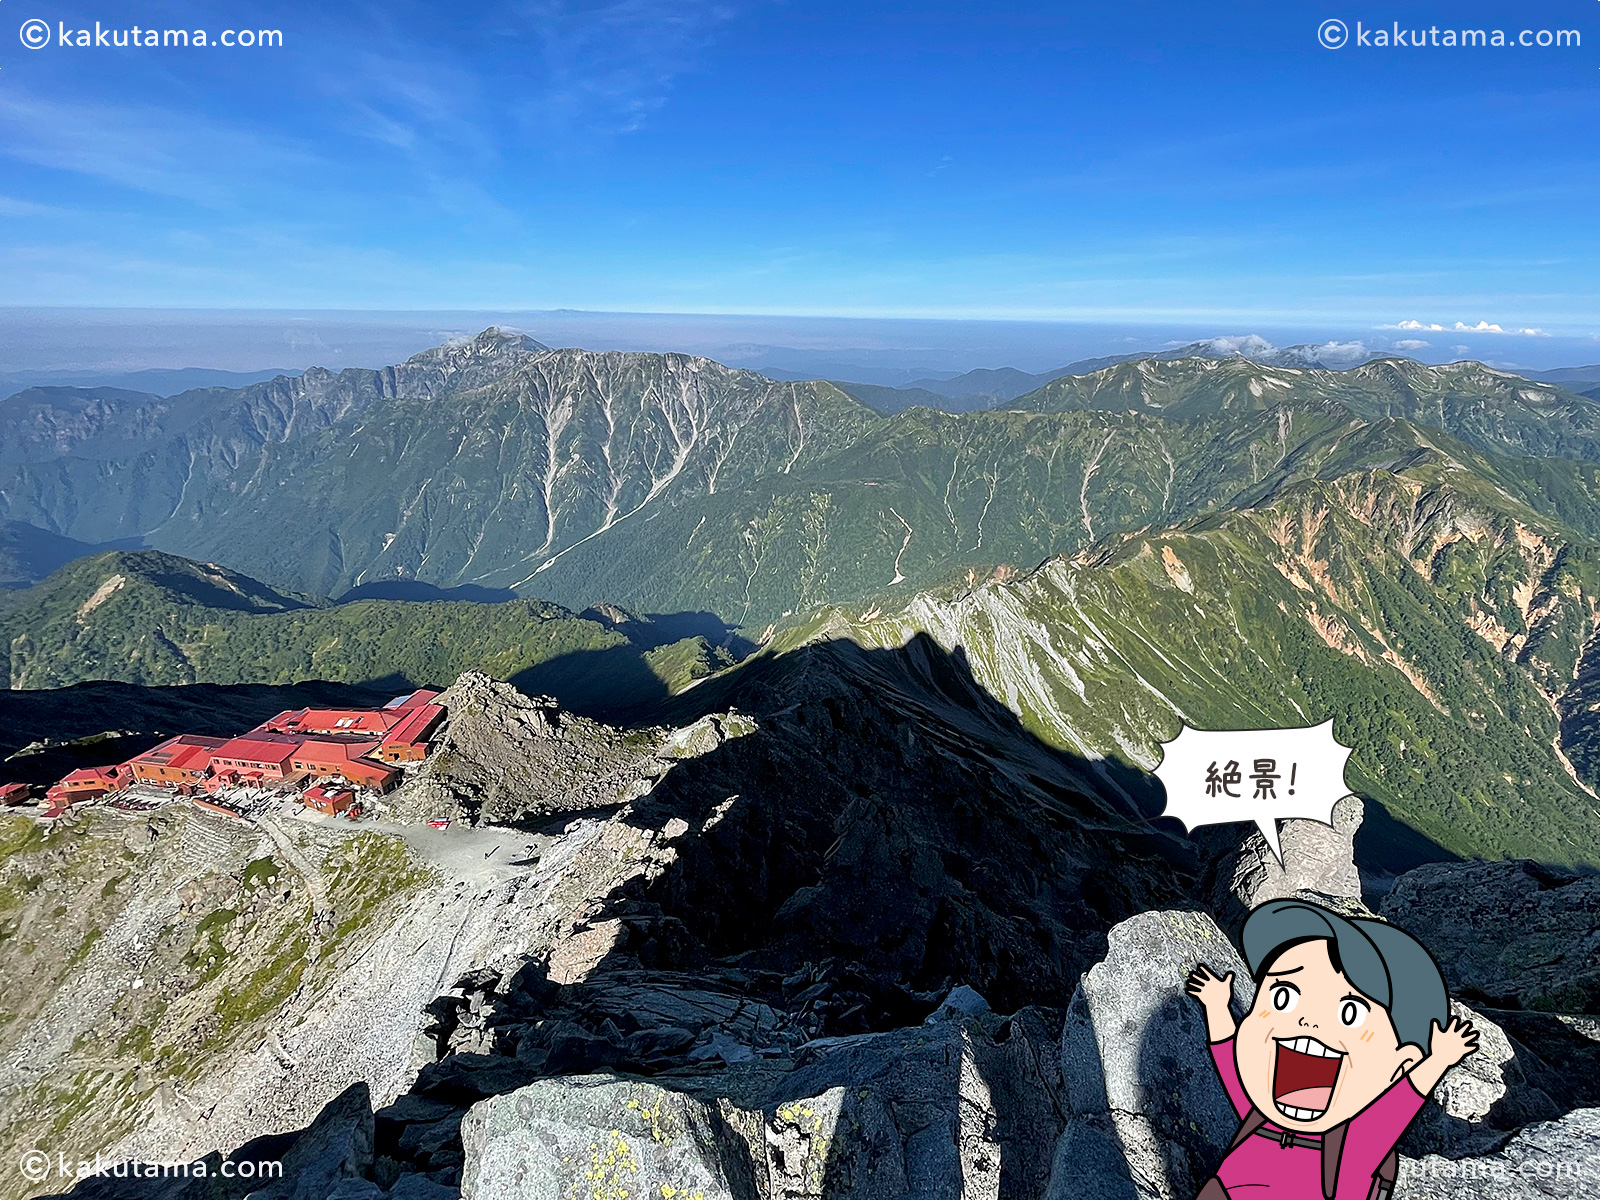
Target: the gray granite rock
pixel 1554 1159
pixel 1455 1124
pixel 336 1147
pixel 1515 934
pixel 420 1187
pixel 1318 864
pixel 964 1109
pixel 596 1136
pixel 1146 1115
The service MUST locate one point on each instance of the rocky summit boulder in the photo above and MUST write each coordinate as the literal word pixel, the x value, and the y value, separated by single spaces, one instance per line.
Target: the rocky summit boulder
pixel 1470 1112
pixel 1146 1115
pixel 1319 864
pixel 966 1108
pixel 1545 952
pixel 329 1160
pixel 594 1135
pixel 504 756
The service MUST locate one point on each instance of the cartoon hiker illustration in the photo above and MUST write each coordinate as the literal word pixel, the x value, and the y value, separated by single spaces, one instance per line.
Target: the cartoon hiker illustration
pixel 1349 1032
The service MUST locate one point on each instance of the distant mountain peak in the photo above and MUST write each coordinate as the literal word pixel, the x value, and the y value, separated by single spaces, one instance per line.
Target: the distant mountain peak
pixel 493 343
pixel 1330 355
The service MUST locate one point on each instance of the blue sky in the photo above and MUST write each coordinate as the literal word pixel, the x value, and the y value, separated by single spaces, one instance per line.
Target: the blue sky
pixel 1114 162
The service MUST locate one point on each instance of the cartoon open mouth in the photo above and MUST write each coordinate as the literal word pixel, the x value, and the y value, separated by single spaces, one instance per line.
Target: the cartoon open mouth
pixel 1302 1083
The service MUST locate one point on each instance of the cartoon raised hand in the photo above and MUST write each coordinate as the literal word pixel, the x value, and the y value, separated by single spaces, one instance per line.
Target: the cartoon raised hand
pixel 1214 992
pixel 1451 1044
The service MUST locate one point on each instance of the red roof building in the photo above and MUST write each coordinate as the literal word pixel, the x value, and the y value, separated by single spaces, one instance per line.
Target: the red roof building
pixel 179 760
pixel 368 721
pixel 407 741
pixel 86 783
pixel 12 794
pixel 371 722
pixel 330 757
pixel 258 755
pixel 417 698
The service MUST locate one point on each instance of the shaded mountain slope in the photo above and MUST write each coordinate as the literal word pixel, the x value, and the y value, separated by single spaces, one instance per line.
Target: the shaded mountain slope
pixel 28 554
pixel 1440 635
pixel 152 618
pixel 887 811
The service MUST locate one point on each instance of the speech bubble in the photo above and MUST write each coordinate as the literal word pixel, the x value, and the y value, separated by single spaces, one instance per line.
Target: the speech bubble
pixel 1216 776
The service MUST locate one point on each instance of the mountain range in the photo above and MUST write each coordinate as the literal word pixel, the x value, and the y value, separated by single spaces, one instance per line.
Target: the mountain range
pixel 1409 549
pixel 153 381
pixel 668 483
pixel 986 388
pixel 887 689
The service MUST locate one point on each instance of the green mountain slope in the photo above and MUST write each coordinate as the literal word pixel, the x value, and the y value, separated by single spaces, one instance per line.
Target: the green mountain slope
pixel 156 619
pixel 929 498
pixel 1442 635
pixel 890 400
pixel 669 483
pixel 99 465
pixel 493 486
pixel 1491 410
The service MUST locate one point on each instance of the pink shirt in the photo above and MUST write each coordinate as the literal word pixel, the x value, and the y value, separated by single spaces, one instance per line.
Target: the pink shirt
pixel 1261 1168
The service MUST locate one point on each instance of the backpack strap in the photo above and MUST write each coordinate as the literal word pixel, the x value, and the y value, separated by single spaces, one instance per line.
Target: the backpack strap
pixel 1383 1179
pixel 1332 1149
pixel 1253 1120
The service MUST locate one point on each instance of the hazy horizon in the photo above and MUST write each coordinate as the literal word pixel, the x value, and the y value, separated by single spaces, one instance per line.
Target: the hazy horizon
pixel 89 342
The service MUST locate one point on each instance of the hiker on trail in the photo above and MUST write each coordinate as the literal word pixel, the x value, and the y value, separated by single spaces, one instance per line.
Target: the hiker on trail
pixel 1349 1032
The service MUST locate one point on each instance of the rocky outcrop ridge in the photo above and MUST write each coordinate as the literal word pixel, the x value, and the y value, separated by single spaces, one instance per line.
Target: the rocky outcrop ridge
pixel 502 756
pixel 1545 950
pixel 1319 864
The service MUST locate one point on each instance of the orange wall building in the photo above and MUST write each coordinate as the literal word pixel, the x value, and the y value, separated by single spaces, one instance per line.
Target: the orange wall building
pixel 407 741
pixel 85 784
pixel 178 760
pixel 325 757
pixel 264 754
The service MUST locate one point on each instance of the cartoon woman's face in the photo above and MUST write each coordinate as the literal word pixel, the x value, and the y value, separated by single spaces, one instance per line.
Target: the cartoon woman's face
pixel 1314 1052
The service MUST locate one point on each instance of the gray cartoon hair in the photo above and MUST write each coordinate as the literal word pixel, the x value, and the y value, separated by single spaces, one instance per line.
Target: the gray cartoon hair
pixel 1383 962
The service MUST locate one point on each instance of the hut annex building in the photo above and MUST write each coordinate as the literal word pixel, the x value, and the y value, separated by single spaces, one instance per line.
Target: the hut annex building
pixel 328 755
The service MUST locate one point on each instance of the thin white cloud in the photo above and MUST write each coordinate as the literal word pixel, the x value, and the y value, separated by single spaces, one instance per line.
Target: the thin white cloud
pixel 157 151
pixel 1248 346
pixel 1336 354
pixel 1409 344
pixel 1463 327
pixel 609 66
pixel 12 207
pixel 1487 327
